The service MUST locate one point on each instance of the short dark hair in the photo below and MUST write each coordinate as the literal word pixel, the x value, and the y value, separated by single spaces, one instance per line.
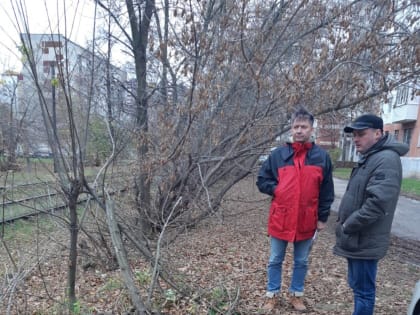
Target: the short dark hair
pixel 302 113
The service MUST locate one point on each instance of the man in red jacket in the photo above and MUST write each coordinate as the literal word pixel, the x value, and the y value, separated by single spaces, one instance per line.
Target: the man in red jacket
pixel 298 176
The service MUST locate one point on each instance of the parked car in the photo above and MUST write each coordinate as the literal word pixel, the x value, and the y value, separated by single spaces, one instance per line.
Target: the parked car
pixel 414 307
pixel 42 151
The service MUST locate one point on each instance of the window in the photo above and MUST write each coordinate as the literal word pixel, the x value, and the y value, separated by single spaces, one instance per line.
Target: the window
pixel 396 132
pixel 402 96
pixel 407 135
pixel 51 43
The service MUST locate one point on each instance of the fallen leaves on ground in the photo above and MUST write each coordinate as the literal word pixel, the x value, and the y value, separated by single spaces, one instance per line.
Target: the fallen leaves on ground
pixel 224 259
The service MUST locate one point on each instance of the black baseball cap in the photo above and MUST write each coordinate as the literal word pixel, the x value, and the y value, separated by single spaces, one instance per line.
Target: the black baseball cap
pixel 364 122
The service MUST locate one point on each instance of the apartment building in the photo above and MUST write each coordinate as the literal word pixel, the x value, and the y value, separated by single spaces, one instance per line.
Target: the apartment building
pixel 401 117
pixel 86 84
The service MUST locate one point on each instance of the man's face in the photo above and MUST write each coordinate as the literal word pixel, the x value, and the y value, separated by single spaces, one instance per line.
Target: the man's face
pixel 365 138
pixel 301 130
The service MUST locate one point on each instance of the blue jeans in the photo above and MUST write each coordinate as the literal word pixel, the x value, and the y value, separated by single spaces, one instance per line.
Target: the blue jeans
pixel 300 265
pixel 362 279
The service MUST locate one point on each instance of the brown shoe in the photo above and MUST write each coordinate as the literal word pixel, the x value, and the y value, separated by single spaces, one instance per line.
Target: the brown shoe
pixel 270 303
pixel 297 303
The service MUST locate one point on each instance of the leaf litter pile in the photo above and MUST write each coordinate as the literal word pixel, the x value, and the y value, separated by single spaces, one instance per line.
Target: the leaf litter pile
pixel 224 260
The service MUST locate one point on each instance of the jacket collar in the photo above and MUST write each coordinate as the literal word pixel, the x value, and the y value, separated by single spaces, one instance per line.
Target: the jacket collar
pixel 301 147
pixel 287 155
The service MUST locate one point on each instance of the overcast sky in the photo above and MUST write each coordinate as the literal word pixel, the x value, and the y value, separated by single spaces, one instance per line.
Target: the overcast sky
pixel 39 12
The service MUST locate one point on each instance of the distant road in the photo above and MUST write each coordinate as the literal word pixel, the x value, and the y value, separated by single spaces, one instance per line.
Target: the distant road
pixel 407 215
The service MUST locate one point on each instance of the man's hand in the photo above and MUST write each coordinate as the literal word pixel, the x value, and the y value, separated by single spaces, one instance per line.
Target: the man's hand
pixel 321 225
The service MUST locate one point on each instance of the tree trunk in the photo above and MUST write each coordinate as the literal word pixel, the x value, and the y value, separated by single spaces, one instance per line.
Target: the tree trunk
pixel 122 259
pixel 139 25
pixel 74 232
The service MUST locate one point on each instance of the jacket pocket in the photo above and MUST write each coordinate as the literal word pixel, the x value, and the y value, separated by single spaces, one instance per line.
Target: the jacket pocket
pixel 278 218
pixel 346 241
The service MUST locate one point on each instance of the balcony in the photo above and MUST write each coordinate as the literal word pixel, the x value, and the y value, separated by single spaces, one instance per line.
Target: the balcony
pixel 405 113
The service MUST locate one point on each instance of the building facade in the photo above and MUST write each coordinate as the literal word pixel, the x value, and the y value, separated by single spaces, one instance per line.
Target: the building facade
pixel 402 118
pixel 58 75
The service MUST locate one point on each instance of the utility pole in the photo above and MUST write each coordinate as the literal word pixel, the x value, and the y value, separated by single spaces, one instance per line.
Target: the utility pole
pixel 54 111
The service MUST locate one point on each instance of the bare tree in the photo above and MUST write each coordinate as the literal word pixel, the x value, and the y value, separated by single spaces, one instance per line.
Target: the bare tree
pixel 217 81
pixel 215 84
pixel 61 100
pixel 238 71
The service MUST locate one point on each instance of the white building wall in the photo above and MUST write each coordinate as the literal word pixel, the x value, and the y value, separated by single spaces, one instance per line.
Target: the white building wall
pixel 53 52
pixel 411 167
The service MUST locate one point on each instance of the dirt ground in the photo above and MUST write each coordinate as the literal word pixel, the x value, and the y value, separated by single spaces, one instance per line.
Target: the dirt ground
pixel 237 252
pixel 225 259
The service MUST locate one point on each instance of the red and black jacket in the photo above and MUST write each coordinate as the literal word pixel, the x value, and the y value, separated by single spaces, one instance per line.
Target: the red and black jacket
pixel 299 177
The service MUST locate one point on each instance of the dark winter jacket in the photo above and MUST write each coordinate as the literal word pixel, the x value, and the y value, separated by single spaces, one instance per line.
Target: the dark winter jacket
pixel 302 188
pixel 368 205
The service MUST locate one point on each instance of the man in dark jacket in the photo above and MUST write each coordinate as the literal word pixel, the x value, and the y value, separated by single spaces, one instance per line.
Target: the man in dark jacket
pixel 367 208
pixel 299 178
